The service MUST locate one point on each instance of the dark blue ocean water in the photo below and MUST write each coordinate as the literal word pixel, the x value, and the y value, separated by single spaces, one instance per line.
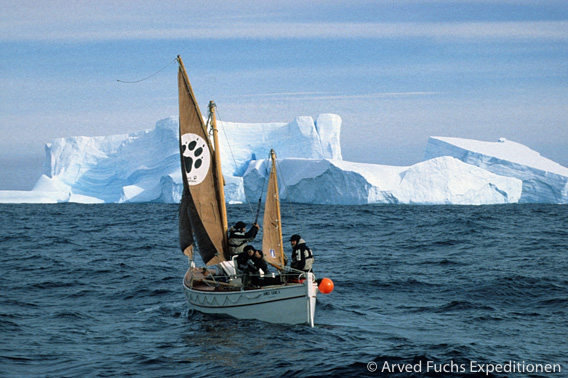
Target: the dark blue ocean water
pixel 95 290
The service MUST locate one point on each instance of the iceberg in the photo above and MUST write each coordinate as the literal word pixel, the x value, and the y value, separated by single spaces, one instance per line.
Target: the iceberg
pixel 145 167
pixel 114 169
pixel 544 181
pixel 443 180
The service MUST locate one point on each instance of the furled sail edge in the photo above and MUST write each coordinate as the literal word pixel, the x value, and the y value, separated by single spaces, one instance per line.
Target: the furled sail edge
pixel 185 233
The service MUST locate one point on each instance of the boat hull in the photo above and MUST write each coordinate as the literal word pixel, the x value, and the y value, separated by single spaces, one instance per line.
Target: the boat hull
pixel 288 304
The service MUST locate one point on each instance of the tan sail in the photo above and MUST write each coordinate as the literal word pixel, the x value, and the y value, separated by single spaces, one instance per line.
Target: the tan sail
pixel 272 245
pixel 203 209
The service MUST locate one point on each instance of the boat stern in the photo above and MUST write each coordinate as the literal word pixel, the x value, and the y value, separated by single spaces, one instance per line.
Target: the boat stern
pixel 312 290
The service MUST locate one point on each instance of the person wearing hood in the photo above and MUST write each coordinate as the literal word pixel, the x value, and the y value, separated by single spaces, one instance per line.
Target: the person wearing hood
pixel 251 263
pixel 239 237
pixel 302 256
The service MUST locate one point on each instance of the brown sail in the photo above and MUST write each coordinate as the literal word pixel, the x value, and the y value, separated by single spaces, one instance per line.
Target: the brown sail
pixel 202 211
pixel 272 225
pixel 185 233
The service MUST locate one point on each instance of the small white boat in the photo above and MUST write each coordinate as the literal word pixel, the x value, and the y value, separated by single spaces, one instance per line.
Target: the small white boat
pixel 293 303
pixel 219 287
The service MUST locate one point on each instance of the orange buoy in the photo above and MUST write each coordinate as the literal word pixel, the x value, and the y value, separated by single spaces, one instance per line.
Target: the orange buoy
pixel 326 286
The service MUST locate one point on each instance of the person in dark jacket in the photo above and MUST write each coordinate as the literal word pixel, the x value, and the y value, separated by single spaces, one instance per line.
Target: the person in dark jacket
pixel 239 237
pixel 266 279
pixel 244 257
pixel 302 256
pixel 259 262
pixel 250 262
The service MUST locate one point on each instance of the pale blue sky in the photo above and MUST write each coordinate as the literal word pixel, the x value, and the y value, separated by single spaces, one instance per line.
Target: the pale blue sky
pixel 396 71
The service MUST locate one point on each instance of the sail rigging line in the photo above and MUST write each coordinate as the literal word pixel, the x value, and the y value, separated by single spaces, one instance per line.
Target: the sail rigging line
pixel 146 78
pixel 235 164
pixel 262 190
pixel 288 201
pixel 258 208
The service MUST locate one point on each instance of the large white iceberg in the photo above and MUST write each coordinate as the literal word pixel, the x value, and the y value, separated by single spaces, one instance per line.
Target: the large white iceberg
pixel 443 180
pixel 544 180
pixel 145 167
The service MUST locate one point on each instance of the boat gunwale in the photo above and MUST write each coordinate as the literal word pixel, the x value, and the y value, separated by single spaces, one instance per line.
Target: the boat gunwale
pixel 239 289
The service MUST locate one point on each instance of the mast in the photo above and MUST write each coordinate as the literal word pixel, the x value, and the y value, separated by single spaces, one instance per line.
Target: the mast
pixel 220 181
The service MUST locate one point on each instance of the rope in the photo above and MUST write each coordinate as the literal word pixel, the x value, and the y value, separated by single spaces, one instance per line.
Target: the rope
pixel 235 164
pixel 262 189
pixel 284 186
pixel 146 78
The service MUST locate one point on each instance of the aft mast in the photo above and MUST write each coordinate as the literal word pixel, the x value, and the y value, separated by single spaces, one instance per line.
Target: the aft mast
pixel 220 181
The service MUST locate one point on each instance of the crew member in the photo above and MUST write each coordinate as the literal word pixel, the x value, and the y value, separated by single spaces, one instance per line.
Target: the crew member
pixel 239 237
pixel 251 263
pixel 302 256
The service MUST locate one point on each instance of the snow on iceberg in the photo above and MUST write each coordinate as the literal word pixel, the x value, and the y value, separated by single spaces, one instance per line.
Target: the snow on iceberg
pixel 544 181
pixel 443 180
pixel 145 167
pixel 301 138
pixel 117 168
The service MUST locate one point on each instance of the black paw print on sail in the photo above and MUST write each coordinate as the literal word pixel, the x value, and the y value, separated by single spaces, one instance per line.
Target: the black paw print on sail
pixel 195 158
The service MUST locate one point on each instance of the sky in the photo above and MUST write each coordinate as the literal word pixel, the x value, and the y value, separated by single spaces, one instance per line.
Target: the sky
pixel 397 72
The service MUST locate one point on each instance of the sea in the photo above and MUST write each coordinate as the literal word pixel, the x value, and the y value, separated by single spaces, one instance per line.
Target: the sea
pixel 419 291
